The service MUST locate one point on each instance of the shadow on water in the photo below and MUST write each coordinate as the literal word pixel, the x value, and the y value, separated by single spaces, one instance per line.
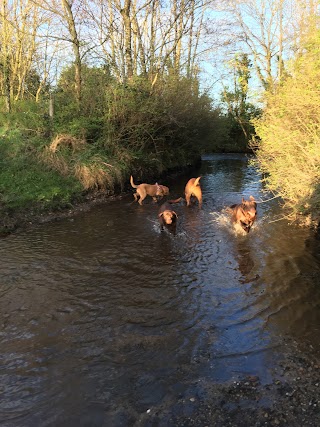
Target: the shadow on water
pixel 104 316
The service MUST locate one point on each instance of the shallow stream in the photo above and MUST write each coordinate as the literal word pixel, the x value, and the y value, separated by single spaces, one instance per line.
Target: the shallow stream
pixel 105 319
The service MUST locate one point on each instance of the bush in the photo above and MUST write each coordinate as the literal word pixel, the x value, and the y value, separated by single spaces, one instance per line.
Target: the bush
pixel 289 151
pixel 28 117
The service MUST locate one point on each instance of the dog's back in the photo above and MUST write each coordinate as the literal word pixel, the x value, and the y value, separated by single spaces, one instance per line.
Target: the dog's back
pixel 153 190
pixel 193 188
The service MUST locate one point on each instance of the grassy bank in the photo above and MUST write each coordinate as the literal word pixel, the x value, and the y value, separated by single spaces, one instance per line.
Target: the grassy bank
pixel 52 161
pixel 38 181
pixel 30 192
pixel 50 165
pixel 27 186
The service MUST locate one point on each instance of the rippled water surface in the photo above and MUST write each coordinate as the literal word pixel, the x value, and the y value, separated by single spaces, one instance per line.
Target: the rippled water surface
pixel 104 318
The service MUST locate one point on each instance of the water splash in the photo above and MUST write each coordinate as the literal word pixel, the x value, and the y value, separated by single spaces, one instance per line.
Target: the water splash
pixel 223 220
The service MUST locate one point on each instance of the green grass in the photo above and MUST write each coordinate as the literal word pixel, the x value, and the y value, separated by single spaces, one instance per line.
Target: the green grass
pixel 22 188
pixel 26 183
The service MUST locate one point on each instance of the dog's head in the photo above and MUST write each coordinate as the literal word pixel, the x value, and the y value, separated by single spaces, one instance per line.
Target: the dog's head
pixel 245 213
pixel 250 206
pixel 249 211
pixel 168 216
pixel 162 190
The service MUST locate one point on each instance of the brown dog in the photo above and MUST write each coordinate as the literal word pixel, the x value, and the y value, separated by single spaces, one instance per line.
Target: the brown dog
pixel 144 190
pixel 167 216
pixel 193 189
pixel 245 213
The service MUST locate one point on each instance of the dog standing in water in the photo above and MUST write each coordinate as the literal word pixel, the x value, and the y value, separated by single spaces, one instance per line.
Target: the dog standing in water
pixel 244 213
pixel 167 216
pixel 152 190
pixel 193 189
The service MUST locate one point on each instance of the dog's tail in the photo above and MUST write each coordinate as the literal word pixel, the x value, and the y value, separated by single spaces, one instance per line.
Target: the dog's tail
pixel 196 182
pixel 132 183
pixel 175 200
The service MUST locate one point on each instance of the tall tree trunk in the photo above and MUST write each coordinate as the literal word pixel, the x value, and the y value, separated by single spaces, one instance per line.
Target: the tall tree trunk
pixel 193 69
pixel 175 28
pixel 180 29
pixel 76 50
pixel 139 52
pixel 152 32
pixel 190 43
pixel 280 58
pixel 126 12
pixel 5 57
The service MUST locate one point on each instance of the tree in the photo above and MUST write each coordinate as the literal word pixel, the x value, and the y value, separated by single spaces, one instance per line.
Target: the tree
pixel 5 56
pixel 68 15
pixel 64 13
pixel 239 109
pixel 260 26
pixel 147 37
pixel 20 21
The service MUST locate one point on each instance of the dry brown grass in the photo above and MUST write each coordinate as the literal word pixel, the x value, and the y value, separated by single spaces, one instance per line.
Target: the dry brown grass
pixel 92 171
pixel 94 177
pixel 55 161
pixel 68 141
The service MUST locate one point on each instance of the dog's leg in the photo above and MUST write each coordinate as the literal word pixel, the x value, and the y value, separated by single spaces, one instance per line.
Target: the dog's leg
pixel 142 195
pixel 197 193
pixel 135 195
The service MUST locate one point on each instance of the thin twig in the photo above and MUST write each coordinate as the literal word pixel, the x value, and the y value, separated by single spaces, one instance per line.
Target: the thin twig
pixel 107 164
pixel 268 200
pixel 279 219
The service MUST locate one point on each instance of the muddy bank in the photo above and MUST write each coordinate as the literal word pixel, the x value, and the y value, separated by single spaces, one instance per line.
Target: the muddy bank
pixel 292 398
pixel 15 220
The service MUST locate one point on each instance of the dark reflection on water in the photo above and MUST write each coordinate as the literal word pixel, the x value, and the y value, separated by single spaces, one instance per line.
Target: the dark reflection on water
pixel 104 317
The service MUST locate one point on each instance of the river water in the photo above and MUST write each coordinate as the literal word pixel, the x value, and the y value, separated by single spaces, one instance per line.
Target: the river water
pixel 105 319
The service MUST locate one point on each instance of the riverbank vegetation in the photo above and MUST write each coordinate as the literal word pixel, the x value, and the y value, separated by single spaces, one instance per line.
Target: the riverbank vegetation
pixel 118 131
pixel 288 150
pixel 94 91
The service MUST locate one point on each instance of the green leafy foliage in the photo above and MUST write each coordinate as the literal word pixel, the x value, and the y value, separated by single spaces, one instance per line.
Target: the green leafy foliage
pixel 120 129
pixel 240 112
pixel 289 130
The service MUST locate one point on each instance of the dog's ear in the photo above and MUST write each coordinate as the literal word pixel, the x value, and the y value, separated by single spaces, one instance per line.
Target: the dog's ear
pixel 174 213
pixel 252 198
pixel 243 201
pixel 160 214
